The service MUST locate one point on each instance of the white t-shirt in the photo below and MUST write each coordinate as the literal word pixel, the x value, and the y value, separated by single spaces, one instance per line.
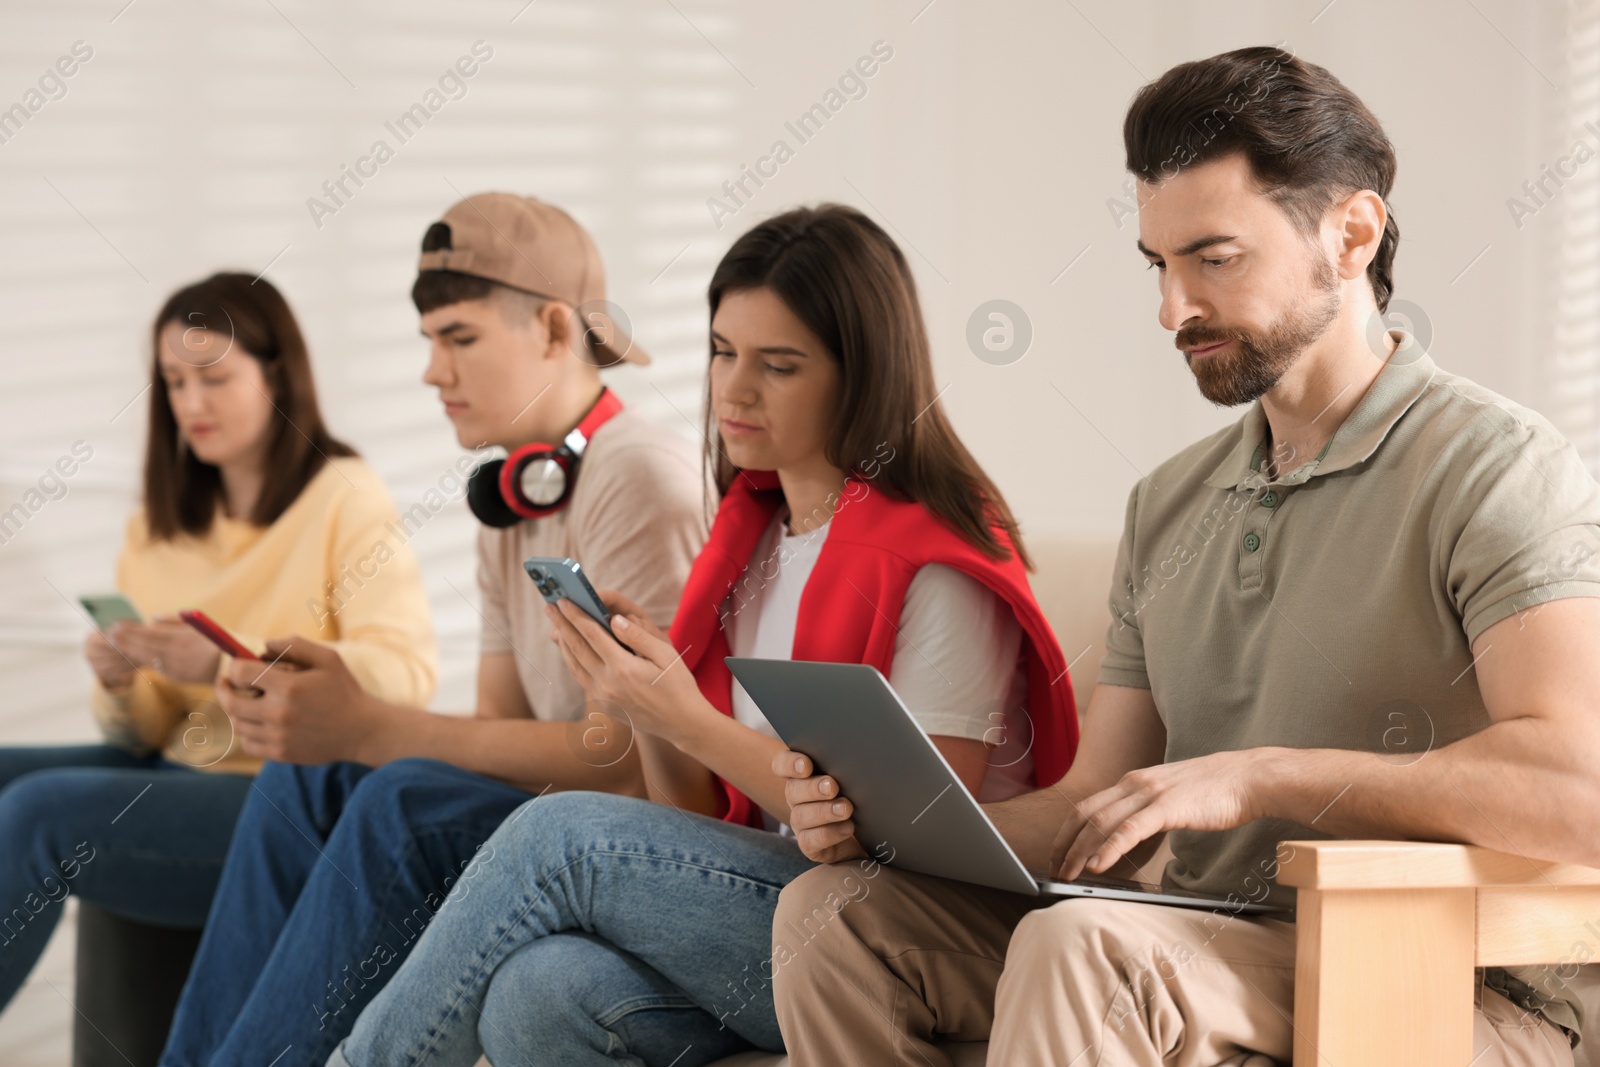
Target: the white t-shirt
pixel 956 658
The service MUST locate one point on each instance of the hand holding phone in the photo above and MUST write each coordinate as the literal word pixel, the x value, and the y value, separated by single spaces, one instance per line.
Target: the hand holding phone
pixel 563 579
pixel 213 632
pixel 111 665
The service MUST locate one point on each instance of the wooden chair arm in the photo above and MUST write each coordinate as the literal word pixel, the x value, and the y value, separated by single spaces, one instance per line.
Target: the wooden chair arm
pixel 1388 933
pixel 1334 865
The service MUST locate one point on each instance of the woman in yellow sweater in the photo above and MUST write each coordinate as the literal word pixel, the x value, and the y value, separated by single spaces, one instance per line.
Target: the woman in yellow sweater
pixel 255 514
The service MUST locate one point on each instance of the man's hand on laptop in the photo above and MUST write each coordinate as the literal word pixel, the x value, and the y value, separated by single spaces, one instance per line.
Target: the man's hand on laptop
pixel 1218 791
pixel 818 815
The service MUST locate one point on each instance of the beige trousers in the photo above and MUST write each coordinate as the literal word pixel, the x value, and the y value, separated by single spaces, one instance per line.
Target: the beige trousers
pixel 886 969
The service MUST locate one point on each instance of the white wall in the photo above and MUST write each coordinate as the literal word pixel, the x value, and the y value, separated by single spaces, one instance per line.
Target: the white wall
pixel 193 139
pixel 992 142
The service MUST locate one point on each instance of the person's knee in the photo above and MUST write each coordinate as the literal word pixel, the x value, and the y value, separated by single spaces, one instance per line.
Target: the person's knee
pixel 554 992
pixel 600 813
pixel 870 896
pixel 571 824
pixel 826 903
pixel 31 810
pixel 279 778
pixel 33 832
pixel 281 788
pixel 809 904
pixel 29 804
pixel 528 992
pixel 1111 934
pixel 398 790
pixel 402 774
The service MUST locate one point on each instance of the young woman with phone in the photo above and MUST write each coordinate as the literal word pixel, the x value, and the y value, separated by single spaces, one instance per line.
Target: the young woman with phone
pixel 251 512
pixel 853 526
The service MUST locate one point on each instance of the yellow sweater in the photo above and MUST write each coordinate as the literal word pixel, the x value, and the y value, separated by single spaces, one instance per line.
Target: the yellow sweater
pixel 335 567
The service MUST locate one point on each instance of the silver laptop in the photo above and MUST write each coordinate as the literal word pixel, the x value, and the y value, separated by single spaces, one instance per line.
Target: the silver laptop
pixel 909 804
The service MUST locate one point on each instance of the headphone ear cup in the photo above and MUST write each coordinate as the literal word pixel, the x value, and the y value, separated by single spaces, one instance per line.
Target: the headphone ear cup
pixel 537 485
pixel 483 496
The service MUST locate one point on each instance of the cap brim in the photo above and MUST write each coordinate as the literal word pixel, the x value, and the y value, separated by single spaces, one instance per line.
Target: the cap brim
pixel 620 348
pixel 608 357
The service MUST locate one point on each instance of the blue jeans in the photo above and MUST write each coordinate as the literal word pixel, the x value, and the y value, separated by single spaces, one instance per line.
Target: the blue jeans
pixel 334 873
pixel 136 835
pixel 592 929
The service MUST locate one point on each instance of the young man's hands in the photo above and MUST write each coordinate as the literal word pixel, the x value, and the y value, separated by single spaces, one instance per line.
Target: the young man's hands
pixel 310 708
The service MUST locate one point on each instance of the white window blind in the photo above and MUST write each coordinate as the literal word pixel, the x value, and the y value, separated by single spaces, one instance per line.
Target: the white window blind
pixel 1576 354
pixel 191 139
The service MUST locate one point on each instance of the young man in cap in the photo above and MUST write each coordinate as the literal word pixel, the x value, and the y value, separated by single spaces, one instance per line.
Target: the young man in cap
pixel 357 831
pixel 1368 609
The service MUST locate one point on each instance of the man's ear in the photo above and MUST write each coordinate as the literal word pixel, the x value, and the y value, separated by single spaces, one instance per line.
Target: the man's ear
pixel 558 320
pixel 1360 217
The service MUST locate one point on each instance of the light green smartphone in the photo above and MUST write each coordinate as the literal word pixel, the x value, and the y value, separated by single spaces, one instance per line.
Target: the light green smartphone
pixel 109 608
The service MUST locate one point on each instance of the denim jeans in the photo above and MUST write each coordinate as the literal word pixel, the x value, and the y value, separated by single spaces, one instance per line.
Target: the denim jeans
pixel 592 929
pixel 334 873
pixel 137 835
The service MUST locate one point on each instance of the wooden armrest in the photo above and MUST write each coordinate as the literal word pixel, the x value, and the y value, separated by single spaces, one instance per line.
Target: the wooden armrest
pixel 1418 865
pixel 1388 933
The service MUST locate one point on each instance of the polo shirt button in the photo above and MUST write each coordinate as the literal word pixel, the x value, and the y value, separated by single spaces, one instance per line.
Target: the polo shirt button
pixel 1251 542
pixel 1269 499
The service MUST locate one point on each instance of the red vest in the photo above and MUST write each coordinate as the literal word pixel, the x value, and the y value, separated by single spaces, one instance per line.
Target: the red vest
pixel 850 608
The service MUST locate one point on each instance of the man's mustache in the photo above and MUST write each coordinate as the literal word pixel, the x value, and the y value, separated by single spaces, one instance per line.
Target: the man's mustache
pixel 1200 337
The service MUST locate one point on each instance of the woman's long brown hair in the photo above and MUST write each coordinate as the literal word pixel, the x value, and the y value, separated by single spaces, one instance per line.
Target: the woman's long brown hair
pixel 846 279
pixel 181 493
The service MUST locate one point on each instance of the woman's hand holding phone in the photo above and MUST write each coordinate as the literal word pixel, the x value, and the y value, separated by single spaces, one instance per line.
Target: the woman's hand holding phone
pixel 164 644
pixel 177 651
pixel 617 604
pixel 112 667
pixel 650 686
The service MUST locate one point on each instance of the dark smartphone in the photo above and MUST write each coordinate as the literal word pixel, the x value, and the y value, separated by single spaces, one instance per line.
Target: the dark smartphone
pixel 563 579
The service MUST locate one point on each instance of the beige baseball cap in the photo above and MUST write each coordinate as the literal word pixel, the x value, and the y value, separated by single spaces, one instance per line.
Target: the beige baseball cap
pixel 527 244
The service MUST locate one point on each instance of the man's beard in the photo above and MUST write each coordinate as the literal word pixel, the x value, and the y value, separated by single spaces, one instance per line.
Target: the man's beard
pixel 1255 364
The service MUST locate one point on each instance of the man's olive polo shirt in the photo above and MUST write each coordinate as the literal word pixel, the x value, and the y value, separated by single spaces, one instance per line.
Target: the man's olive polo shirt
pixel 1335 605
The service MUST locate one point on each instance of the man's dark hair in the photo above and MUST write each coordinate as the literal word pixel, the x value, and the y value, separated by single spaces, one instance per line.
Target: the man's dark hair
pixel 435 289
pixel 1308 139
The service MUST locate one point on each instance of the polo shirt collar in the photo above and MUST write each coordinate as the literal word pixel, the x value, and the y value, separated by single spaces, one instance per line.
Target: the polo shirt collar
pixel 1403 379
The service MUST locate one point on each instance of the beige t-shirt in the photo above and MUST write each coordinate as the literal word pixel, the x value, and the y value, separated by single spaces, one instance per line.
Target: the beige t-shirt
pixel 1335 606
pixel 636 521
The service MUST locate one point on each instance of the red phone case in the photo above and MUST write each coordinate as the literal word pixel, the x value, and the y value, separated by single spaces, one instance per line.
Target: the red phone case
pixel 211 631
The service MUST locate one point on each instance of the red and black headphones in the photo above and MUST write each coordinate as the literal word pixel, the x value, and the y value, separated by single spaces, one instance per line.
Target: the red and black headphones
pixel 536 479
